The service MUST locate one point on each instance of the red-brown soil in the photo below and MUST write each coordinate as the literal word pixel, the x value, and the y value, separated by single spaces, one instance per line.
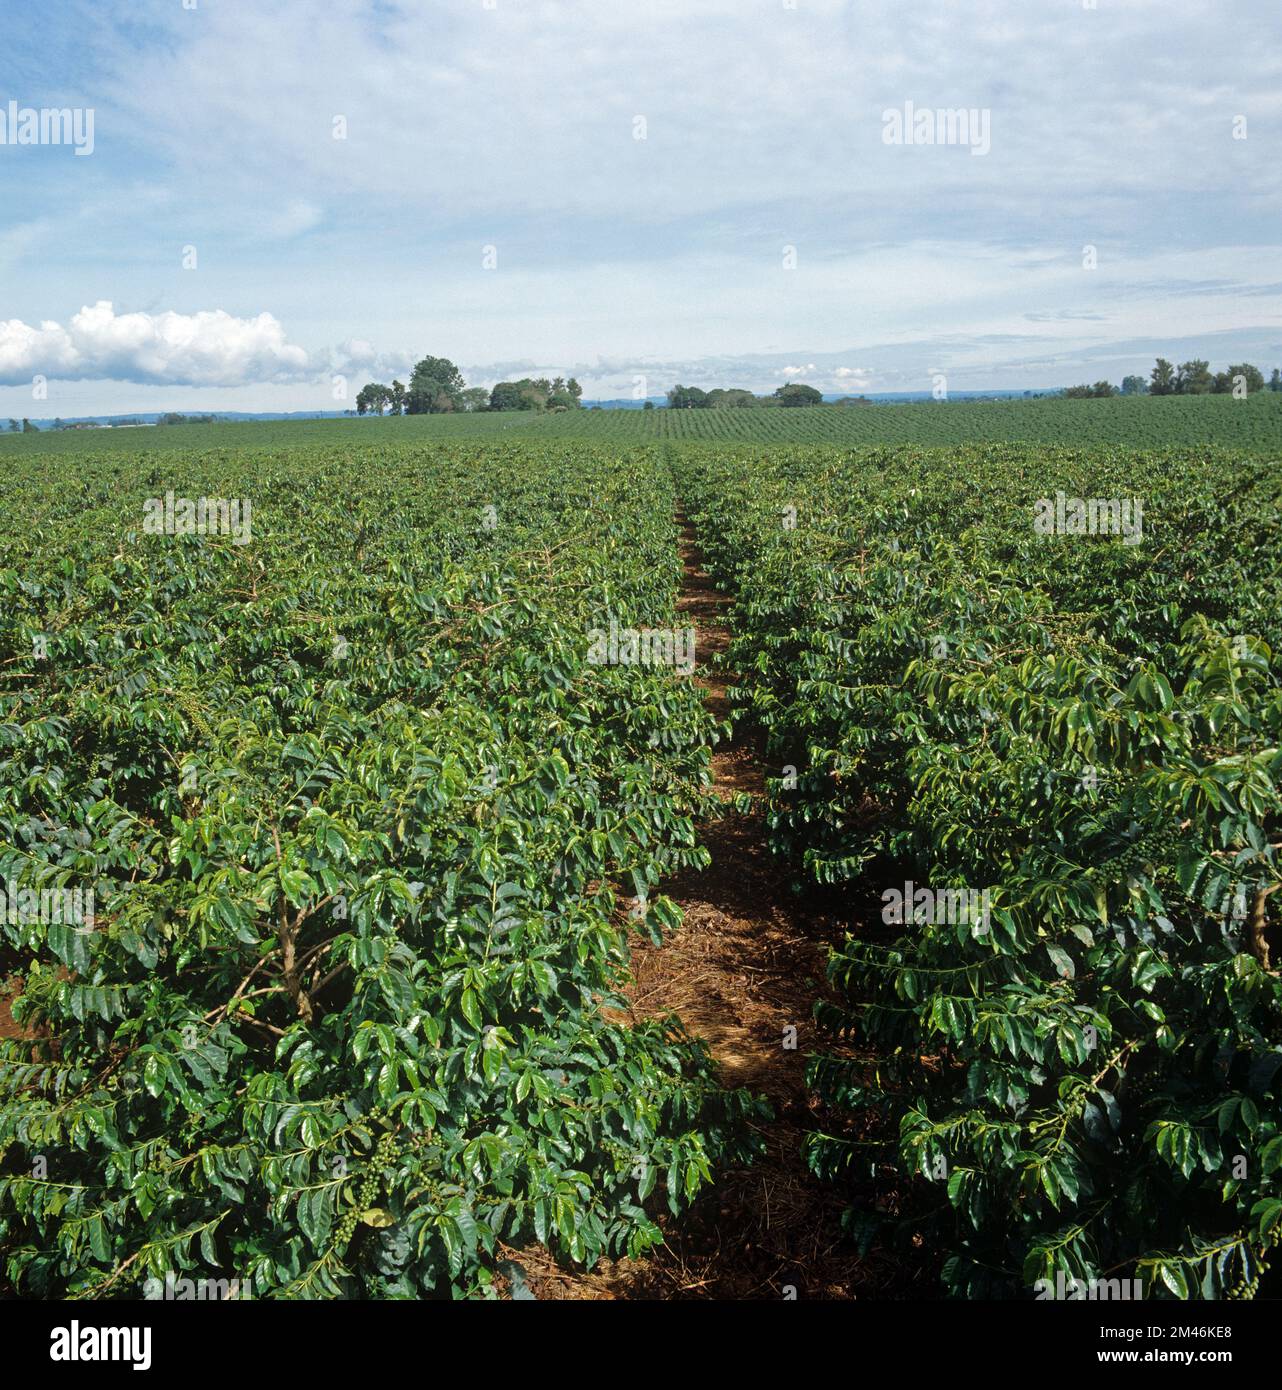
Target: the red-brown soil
pixel 747 963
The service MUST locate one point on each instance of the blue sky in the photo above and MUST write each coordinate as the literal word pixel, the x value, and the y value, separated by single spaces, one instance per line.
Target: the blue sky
pixel 633 263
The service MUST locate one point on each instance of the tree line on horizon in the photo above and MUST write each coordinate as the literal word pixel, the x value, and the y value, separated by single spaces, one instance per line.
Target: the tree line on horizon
pixel 1193 378
pixel 695 398
pixel 436 387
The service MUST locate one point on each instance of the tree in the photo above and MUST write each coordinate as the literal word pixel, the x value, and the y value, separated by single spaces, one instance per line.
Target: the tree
pixel 398 395
pixel 731 398
pixel 1100 389
pixel 476 398
pixel 526 394
pixel 15 427
pixel 506 395
pixel 649 405
pixel 1162 379
pixel 687 398
pixel 797 394
pixel 1194 378
pixel 1134 386
pixel 436 386
pixel 373 399
pixel 1275 382
pixel 537 393
pixel 29 428
pixel 1253 377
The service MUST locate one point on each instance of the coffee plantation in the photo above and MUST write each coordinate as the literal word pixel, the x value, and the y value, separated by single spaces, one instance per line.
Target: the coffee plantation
pixel 328 842
pixel 356 813
pixel 1087 730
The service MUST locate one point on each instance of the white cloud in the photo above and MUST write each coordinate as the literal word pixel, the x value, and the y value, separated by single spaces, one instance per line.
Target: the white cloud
pixel 209 348
pixel 852 379
pixel 359 358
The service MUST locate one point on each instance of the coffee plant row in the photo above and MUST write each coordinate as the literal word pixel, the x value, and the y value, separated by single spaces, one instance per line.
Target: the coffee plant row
pixel 1077 726
pixel 366 830
pixel 1136 422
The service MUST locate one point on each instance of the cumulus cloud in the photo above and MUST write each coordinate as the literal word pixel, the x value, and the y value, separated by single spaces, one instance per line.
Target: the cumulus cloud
pixel 208 348
pixel 358 357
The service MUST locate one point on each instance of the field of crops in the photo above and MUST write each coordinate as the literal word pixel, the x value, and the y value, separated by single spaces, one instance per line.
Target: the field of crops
pixel 1081 733
pixel 365 832
pixel 1140 422
pixel 373 817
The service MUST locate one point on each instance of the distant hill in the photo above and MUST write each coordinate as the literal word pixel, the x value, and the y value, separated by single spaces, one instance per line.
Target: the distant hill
pixel 143 417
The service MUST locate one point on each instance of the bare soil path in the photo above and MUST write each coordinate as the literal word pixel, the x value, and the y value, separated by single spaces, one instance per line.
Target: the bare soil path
pixel 747 963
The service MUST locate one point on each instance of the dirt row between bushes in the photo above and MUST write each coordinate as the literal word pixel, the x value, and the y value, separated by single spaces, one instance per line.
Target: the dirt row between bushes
pixel 747 963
